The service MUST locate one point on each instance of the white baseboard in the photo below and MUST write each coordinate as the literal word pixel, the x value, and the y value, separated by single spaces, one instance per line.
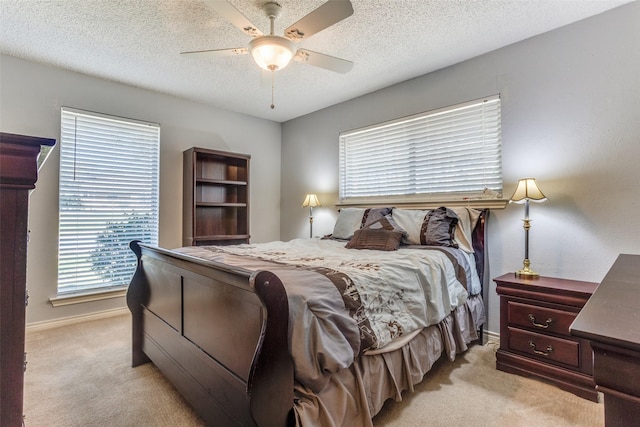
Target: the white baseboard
pixel 492 337
pixel 72 320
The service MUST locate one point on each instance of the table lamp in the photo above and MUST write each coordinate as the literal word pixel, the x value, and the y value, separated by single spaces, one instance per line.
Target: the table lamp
pixel 527 190
pixel 311 201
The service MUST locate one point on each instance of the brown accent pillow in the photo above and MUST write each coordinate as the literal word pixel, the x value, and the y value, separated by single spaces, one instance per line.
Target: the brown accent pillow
pixel 382 235
pixel 439 227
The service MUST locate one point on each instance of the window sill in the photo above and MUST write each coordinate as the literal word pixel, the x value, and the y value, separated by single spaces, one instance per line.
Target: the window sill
pixel 478 203
pixel 79 298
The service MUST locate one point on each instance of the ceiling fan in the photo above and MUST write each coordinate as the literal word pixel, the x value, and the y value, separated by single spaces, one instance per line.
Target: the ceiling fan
pixel 272 52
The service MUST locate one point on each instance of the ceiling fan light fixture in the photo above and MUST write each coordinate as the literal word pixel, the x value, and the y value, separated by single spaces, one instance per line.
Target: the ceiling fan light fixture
pixel 272 52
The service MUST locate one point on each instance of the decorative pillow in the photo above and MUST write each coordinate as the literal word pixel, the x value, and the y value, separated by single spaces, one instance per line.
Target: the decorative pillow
pixel 349 220
pixel 352 219
pixel 410 220
pixel 439 228
pixel 467 220
pixel 383 235
pixel 372 215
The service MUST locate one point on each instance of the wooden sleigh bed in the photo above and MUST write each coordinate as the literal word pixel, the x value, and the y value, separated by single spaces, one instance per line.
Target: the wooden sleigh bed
pixel 221 334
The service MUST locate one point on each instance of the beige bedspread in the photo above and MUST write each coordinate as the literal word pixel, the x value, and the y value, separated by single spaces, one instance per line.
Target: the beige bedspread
pixel 343 303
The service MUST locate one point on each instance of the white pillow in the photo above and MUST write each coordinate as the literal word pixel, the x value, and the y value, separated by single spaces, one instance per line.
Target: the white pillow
pixel 348 222
pixel 410 220
pixel 468 218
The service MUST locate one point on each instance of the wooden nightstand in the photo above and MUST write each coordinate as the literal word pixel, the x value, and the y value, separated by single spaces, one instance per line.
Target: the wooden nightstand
pixel 535 315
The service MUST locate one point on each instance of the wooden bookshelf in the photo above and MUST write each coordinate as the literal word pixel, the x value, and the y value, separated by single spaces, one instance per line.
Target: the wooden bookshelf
pixel 216 197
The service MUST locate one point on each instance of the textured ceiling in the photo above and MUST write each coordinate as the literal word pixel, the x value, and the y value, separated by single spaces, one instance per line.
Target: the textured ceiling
pixel 138 42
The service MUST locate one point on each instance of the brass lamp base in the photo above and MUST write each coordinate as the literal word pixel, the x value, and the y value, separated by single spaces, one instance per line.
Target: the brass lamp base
pixel 526 272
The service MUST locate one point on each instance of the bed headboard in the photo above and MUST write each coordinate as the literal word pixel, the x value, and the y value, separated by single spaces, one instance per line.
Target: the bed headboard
pixel 479 246
pixel 482 263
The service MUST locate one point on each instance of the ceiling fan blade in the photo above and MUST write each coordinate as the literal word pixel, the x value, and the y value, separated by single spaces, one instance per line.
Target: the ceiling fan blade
pixel 217 52
pixel 233 15
pixel 323 61
pixel 323 17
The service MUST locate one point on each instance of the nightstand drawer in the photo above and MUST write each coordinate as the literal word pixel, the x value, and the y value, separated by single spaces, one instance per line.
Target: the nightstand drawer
pixel 539 318
pixel 544 347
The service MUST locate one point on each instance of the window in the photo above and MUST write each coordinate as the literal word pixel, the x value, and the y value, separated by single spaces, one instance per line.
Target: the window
pixel 446 154
pixel 108 196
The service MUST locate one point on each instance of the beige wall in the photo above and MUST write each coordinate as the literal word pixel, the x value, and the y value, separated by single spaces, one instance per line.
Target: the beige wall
pixel 30 99
pixel 570 118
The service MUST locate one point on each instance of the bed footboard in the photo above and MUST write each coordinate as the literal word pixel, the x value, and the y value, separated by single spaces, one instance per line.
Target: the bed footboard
pixel 218 333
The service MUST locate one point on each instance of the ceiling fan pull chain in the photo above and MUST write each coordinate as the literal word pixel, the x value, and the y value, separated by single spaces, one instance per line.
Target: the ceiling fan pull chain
pixel 273 73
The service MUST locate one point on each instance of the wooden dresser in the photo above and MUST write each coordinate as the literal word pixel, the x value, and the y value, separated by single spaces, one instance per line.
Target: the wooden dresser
pixel 18 174
pixel 611 323
pixel 535 315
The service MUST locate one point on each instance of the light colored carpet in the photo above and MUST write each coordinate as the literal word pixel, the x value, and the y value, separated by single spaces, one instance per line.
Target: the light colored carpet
pixel 80 375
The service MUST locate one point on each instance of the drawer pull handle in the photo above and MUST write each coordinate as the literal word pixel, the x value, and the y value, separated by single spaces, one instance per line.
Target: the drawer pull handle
pixel 544 325
pixel 540 352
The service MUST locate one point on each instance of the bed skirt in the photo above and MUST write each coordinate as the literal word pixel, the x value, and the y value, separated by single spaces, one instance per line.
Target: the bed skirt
pixel 354 395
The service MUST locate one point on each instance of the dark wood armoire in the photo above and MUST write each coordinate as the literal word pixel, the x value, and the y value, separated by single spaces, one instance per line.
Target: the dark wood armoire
pixel 18 175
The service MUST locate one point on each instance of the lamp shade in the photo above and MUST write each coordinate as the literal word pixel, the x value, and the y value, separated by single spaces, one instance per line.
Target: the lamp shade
pixel 272 52
pixel 311 200
pixel 527 190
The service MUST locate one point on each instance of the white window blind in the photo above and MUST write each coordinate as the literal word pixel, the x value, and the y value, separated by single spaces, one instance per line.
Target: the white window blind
pixel 450 153
pixel 108 196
